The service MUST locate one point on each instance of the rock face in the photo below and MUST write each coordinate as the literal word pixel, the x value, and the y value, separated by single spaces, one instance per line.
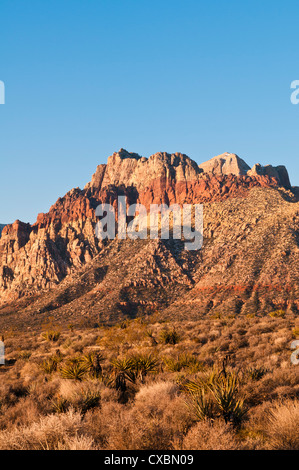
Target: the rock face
pixel 225 164
pixel 1 228
pixel 278 172
pixel 129 169
pixel 249 259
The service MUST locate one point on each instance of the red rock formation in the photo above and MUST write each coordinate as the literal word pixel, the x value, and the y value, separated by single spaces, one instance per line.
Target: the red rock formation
pixel 63 241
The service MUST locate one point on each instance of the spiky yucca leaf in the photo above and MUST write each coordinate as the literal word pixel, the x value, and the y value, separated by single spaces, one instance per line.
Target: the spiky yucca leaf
pixel 256 373
pixel 136 366
pixel 74 370
pixel 51 335
pixel 125 366
pixel 201 404
pixel 144 364
pixel 88 400
pixel 183 361
pixel 50 364
pixel 225 391
pixel 60 404
pixel 169 336
pixel 93 362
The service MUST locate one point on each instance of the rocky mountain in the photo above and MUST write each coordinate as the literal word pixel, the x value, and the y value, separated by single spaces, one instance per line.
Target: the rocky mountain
pixel 1 228
pixel 228 163
pixel 249 261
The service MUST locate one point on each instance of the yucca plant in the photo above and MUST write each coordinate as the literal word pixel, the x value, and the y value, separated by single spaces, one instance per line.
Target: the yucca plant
pixel 225 391
pixel 201 404
pixel 256 373
pixel 205 380
pixel 143 364
pixel 51 335
pixel 88 400
pixel 192 386
pixel 169 336
pixel 150 335
pixel 93 362
pixel 172 364
pixel 50 364
pixel 125 366
pixel 183 361
pixel 137 366
pixel 74 370
pixel 59 404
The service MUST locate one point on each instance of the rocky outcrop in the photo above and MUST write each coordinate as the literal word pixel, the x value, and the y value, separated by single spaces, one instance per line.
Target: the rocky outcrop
pixel 225 164
pixel 278 172
pixel 129 169
pixel 47 256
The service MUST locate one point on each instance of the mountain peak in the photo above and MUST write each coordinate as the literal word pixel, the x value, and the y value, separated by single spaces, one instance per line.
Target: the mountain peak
pixel 225 164
pixel 124 154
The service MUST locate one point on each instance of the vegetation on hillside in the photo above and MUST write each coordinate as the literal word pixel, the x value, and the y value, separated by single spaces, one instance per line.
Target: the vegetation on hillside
pixel 216 383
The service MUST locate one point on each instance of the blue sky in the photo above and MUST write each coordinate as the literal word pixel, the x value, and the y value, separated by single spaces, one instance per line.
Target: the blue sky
pixel 86 77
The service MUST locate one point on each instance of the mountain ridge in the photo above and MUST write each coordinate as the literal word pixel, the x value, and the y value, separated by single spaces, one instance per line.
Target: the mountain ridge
pixel 38 260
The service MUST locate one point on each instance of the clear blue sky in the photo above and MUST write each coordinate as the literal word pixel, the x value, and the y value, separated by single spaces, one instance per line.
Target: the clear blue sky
pixel 87 77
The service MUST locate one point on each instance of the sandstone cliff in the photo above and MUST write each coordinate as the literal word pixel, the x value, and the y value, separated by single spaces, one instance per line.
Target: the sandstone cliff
pixel 249 260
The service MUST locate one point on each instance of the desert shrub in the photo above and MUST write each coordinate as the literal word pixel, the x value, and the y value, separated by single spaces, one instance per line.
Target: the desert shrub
pixel 77 443
pixel 169 336
pixel 155 396
pixel 201 339
pixel 133 404
pixel 282 427
pixel 210 436
pixel 25 355
pixel 271 383
pixel 82 396
pixel 12 392
pixel 23 412
pixel 49 432
pixel 133 431
pixel 155 420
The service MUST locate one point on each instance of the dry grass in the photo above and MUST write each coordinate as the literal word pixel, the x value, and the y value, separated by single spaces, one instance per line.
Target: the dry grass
pixel 211 436
pixel 49 432
pixel 282 428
